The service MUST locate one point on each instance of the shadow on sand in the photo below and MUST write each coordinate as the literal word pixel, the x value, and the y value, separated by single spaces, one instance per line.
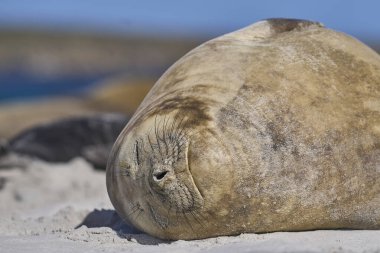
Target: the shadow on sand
pixel 109 218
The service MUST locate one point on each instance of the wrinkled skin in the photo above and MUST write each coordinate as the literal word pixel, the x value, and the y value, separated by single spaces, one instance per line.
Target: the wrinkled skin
pixel 275 127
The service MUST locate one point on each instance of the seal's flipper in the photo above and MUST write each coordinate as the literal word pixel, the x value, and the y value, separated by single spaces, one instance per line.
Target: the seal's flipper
pixel 62 140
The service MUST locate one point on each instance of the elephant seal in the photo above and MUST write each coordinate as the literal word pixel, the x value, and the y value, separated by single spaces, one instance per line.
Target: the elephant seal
pixel 90 137
pixel 275 127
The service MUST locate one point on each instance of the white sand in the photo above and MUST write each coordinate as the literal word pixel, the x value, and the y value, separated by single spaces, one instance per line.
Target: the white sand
pixel 41 206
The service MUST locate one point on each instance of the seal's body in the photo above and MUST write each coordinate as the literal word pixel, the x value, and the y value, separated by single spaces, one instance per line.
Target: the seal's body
pixel 275 127
pixel 90 137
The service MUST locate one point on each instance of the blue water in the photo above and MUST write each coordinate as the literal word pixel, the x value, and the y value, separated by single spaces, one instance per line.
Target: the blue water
pixel 21 86
pixel 214 17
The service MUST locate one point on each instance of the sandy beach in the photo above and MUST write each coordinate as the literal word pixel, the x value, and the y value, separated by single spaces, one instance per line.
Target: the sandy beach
pixel 65 208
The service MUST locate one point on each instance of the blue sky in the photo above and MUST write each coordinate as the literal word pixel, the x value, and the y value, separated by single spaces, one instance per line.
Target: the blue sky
pixel 187 18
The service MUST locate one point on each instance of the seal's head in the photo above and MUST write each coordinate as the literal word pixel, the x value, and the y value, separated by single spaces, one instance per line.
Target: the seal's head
pixel 155 175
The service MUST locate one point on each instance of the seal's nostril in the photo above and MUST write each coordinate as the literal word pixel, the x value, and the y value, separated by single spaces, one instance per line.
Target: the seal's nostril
pixel 159 176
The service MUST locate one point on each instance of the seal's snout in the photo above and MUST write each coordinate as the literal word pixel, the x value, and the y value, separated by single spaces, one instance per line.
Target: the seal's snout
pixel 169 177
pixel 159 175
pixel 150 172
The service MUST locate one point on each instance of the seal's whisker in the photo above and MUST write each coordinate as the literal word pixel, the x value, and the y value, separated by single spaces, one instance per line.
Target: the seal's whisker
pixel 132 212
pixel 194 215
pixel 150 192
pixel 172 154
pixel 172 128
pixel 134 209
pixel 179 126
pixel 175 127
pixel 181 130
pixel 137 216
pixel 140 177
pixel 188 221
pixel 157 137
pixel 161 133
pixel 165 125
pixel 164 135
pixel 201 216
pixel 151 146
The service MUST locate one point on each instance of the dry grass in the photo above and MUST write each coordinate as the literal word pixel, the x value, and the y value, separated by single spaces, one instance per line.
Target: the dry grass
pixel 115 95
pixel 17 117
pixel 120 95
